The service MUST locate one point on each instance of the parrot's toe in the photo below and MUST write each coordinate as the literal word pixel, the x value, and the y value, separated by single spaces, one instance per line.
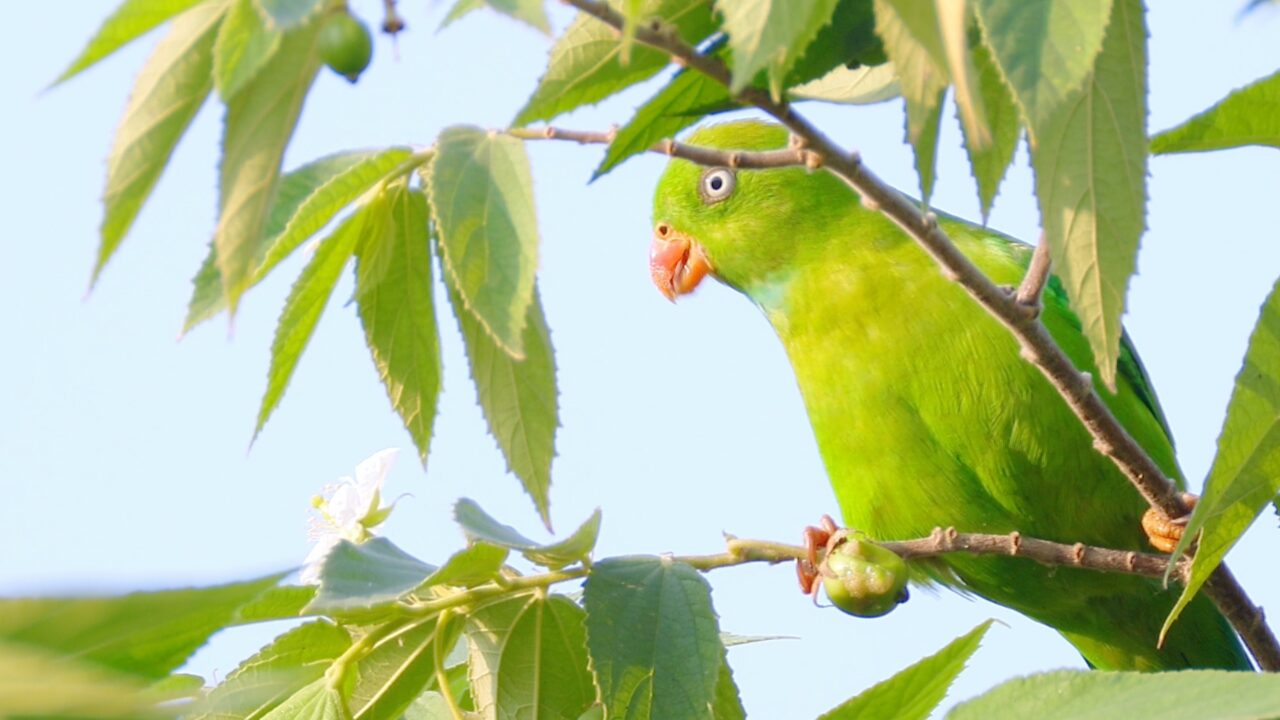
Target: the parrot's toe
pixel 1164 533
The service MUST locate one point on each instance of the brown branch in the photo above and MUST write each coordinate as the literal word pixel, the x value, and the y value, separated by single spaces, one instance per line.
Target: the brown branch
pixel 947 541
pixel 1032 287
pixel 1109 437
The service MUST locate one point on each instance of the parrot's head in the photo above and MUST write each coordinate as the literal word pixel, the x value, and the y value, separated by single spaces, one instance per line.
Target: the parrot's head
pixel 744 227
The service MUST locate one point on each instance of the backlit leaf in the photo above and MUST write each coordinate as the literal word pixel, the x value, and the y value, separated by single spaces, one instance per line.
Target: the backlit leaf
pixel 1245 117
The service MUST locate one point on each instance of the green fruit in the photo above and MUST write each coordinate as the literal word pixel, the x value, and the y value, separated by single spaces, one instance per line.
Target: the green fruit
pixel 346 45
pixel 863 579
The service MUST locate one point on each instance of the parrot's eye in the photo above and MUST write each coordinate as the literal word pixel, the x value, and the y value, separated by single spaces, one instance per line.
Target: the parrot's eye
pixel 716 185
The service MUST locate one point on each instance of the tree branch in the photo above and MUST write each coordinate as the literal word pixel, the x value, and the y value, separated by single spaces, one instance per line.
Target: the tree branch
pixel 1109 437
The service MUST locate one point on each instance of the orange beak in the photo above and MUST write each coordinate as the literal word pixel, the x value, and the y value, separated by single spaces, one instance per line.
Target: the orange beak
pixel 676 263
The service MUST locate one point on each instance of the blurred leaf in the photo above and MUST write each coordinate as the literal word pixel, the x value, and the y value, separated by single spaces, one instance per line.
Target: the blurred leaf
pixel 1046 52
pixel 1246 472
pixel 481 194
pixel 398 668
pixel 1097 695
pixel 284 14
pixel 861 86
pixel 518 397
pixel 733 639
pixel 915 692
pixel 130 21
pixel 530 12
pixel 653 638
pixel 683 102
pixel 475 565
pixel 317 701
pixel 1245 117
pixel 276 603
pixel 529 658
pixel 398 312
pixel 953 21
pixel 38 683
pixel 914 45
pixel 306 200
pixel 990 163
pixel 178 686
pixel 460 9
pixel 585 65
pixel 771 35
pixel 849 41
pixel 479 525
pixel 244 44
pixel 359 577
pixel 430 705
pixel 165 98
pixel 1090 164
pixel 289 663
pixel 305 304
pixel 146 634
pixel 259 122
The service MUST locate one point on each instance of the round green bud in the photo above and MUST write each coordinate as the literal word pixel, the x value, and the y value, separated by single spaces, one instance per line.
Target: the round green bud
pixel 345 45
pixel 864 579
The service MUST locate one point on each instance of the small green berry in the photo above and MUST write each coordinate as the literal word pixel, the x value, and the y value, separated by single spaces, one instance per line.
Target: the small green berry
pixel 346 45
pixel 864 579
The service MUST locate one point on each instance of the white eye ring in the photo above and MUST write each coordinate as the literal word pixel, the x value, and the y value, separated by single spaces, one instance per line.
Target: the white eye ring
pixel 716 184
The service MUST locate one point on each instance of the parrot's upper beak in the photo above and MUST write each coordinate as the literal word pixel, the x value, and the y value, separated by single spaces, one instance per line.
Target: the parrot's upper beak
pixel 676 263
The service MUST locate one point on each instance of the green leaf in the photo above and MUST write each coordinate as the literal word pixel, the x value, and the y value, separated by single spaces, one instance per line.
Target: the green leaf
pixel 460 9
pixel 518 397
pixel 574 548
pixel 727 704
pixel 306 200
pixel 475 565
pixel 990 163
pixel 398 668
pixel 244 45
pixel 285 14
pixel 276 603
pixel 305 304
pixel 259 122
pixel 38 683
pixel 772 35
pixel 913 693
pixel 1091 168
pixel 364 576
pixel 166 96
pixel 529 12
pixel 481 194
pixel 913 43
pixel 289 663
pixel 528 658
pixel 1246 472
pixel 847 86
pixel 317 701
pixel 480 526
pixel 130 21
pixel 653 638
pixel 1096 695
pixel 585 66
pixel 1046 51
pixel 145 634
pixel 1245 117
pixel 683 102
pixel 393 290
pixel 954 20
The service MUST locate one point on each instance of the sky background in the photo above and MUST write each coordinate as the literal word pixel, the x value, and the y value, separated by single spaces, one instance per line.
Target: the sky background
pixel 123 452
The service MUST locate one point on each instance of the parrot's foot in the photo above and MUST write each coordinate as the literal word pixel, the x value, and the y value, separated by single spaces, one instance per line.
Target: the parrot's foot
pixel 1163 533
pixel 826 536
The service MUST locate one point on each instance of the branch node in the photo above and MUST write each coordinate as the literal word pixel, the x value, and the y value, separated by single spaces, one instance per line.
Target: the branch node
pixel 1015 542
pixel 735 160
pixel 797 142
pixel 930 221
pixel 669 147
pixel 1104 447
pixel 1077 553
pixel 549 132
pixel 1131 560
pixel 812 160
pixel 870 203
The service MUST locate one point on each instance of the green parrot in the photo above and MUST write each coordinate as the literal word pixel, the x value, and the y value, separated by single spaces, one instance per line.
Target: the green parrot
pixel 924 412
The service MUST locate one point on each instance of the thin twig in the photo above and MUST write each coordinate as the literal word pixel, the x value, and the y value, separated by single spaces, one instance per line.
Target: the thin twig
pixel 1038 347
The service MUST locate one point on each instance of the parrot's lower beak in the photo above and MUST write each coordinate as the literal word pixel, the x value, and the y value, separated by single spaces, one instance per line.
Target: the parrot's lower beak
pixel 676 263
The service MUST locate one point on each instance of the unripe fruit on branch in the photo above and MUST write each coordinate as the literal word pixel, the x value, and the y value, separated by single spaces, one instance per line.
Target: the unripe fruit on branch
pixel 864 579
pixel 345 45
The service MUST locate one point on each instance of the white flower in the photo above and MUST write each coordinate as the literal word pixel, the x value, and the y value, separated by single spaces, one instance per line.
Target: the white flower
pixel 348 510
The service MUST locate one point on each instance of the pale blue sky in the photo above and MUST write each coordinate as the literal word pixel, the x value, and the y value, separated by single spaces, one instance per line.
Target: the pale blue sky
pixel 123 452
